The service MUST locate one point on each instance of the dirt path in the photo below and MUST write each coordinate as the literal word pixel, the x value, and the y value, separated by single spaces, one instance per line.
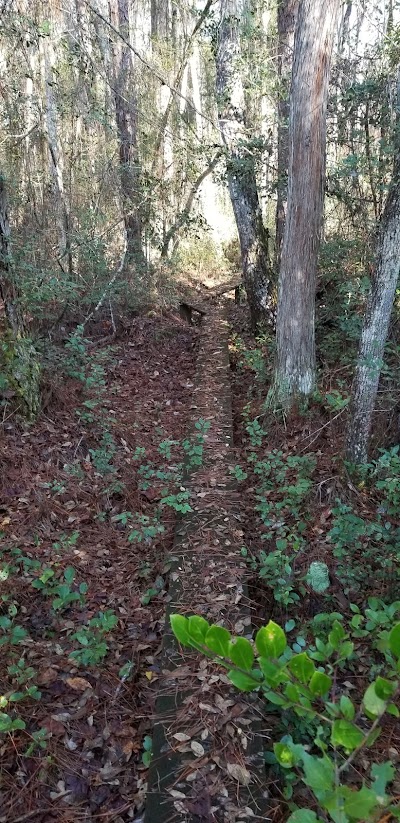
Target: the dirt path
pixel 207 762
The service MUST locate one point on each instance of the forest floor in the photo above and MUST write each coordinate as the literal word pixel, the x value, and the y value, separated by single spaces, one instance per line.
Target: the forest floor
pixel 86 525
pixel 60 508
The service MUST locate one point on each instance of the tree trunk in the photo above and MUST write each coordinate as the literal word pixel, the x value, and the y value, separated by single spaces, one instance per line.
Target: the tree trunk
pixel 8 290
pixel 287 15
pixel 56 158
pixel 23 363
pixel 377 316
pixel 240 166
pixel 295 367
pixel 126 120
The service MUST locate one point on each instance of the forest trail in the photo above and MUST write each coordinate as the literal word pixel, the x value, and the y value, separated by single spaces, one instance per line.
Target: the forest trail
pixel 207 751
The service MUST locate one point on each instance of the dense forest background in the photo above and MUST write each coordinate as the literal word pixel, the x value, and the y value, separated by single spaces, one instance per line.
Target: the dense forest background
pixel 127 126
pixel 165 448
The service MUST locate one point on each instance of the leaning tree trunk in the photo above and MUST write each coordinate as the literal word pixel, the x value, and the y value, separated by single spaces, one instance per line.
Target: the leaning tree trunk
pixel 240 166
pixel 295 367
pixel 377 316
pixel 287 14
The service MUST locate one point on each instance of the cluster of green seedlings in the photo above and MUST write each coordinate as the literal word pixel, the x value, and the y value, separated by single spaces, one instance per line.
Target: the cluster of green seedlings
pixel 65 592
pixel 91 372
pixel 59 585
pixel 284 485
pixel 169 477
pixel 309 689
pixel 305 679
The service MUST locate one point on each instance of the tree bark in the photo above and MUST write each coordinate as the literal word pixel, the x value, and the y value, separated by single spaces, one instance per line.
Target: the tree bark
pixel 56 158
pixel 240 166
pixel 129 164
pixel 23 362
pixel 8 289
pixel 295 366
pixel 287 15
pixel 377 315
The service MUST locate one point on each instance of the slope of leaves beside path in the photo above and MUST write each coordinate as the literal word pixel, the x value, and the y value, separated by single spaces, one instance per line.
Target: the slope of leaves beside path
pixel 63 509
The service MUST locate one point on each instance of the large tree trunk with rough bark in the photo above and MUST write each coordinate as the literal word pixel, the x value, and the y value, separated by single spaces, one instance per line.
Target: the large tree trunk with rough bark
pixel 295 368
pixel 240 167
pixel 377 316
pixel 287 15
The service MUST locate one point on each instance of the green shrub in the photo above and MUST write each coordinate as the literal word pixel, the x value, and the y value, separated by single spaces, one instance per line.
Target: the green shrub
pixel 307 684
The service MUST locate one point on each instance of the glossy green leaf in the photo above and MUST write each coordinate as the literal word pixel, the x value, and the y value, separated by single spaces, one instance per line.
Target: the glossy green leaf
pixel 303 816
pixel 374 706
pixel 197 628
pixel 69 575
pixel 383 773
pixel 320 683
pixel 180 628
pixel 385 688
pixel 292 692
pixel 358 805
pixel 346 734
pixel 218 640
pixel 302 667
pixel 319 774
pixel 271 671
pixel 336 635
pixel 347 707
pixel 241 653
pixel 345 650
pixel 394 640
pixel 276 699
pixel 271 640
pixel 243 681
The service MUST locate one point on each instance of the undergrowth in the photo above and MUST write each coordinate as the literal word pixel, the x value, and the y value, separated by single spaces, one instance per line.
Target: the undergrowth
pixel 62 597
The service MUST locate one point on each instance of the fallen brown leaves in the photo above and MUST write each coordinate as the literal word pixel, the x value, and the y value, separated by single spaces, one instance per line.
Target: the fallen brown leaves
pixel 95 719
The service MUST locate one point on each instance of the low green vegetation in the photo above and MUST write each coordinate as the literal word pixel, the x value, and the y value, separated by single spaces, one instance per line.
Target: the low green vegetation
pixel 314 684
pixel 62 596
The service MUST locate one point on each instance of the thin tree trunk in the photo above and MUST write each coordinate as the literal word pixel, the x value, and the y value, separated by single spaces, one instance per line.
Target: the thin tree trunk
pixel 287 15
pixel 377 316
pixel 295 367
pixel 126 120
pixel 8 289
pixel 183 217
pixel 240 166
pixel 24 367
pixel 56 160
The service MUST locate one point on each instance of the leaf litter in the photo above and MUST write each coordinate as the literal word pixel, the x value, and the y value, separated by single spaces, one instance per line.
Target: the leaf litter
pixel 56 509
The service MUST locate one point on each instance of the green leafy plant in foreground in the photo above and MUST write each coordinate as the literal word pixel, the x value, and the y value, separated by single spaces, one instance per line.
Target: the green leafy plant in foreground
pixel 293 681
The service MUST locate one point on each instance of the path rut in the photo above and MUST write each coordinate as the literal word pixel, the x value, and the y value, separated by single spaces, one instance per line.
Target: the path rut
pixel 208 741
